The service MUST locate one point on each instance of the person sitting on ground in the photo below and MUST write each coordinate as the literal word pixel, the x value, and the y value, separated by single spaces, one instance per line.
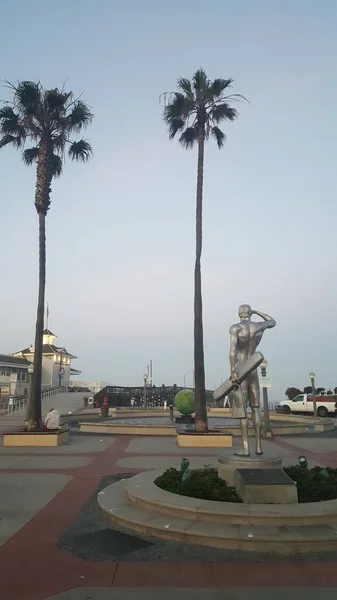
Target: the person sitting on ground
pixel 52 420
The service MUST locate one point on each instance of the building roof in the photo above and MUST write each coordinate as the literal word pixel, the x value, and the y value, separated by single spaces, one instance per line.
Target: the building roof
pixel 74 371
pixel 12 360
pixel 47 349
pixel 48 332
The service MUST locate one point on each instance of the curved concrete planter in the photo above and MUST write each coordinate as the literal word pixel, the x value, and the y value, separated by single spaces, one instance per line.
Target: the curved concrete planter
pixel 137 504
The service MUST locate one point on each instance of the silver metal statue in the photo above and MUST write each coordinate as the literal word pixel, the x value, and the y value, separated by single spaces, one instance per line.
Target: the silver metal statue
pixel 244 339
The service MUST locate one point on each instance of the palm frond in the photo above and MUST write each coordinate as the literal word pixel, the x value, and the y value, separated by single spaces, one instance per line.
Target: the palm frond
pixel 41 115
pixel 57 165
pixel 233 98
pixel 175 126
pixel 200 83
pixel 7 139
pixel 200 103
pixel 60 138
pixel 7 112
pixel 189 137
pixel 221 112
pixel 185 86
pixel 27 97
pixel 80 150
pixel 10 122
pixel 29 156
pixel 180 107
pixel 55 102
pixel 218 86
pixel 80 116
pixel 219 136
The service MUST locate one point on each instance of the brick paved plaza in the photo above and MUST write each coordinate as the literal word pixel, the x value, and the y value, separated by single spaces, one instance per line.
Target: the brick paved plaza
pixel 50 548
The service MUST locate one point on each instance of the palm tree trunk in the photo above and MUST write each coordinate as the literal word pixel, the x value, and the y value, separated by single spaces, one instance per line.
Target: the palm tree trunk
pixel 34 410
pixel 199 367
pixel 42 202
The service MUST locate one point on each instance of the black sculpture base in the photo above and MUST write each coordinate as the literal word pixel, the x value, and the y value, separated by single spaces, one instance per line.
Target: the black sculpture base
pixel 185 420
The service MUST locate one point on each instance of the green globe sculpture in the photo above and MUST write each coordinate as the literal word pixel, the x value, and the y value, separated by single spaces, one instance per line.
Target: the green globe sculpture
pixel 184 402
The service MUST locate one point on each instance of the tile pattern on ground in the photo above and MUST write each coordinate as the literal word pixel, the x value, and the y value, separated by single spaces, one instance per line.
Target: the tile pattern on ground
pixel 43 462
pixel 46 570
pixel 23 497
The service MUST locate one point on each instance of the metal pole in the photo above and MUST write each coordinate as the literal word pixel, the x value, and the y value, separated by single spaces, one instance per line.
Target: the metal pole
pixel 267 430
pixel 145 390
pixel 60 370
pixel 151 372
pixel 313 393
pixel 30 396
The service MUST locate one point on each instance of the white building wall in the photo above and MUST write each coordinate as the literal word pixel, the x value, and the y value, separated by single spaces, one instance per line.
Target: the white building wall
pixel 50 372
pixel 56 375
pixel 47 370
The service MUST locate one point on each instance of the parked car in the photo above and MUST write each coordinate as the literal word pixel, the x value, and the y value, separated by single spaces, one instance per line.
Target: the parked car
pixel 303 403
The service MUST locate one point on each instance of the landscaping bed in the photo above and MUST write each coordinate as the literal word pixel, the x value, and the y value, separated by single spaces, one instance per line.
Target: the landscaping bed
pixel 203 483
pixel 313 485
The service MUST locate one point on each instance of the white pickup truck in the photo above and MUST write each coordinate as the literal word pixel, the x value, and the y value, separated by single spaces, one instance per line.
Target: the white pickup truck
pixel 303 403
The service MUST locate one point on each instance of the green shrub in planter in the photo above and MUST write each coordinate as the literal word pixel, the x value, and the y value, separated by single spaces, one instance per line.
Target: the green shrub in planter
pixel 184 402
pixel 203 483
pixel 314 485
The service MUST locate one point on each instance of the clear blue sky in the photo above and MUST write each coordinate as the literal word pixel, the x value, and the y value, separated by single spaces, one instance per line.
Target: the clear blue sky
pixel 121 228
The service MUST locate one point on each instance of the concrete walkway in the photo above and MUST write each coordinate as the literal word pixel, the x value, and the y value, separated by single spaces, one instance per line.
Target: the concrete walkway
pixel 44 491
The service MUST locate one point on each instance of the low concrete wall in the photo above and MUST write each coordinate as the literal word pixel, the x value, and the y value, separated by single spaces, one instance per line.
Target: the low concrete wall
pixel 36 439
pixel 113 429
pixel 170 430
pixel 207 440
pixel 291 424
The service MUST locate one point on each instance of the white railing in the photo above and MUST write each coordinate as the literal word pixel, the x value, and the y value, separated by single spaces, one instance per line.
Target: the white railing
pixel 17 403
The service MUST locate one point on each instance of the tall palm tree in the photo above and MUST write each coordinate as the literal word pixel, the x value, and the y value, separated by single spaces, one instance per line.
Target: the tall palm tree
pixel 47 118
pixel 194 113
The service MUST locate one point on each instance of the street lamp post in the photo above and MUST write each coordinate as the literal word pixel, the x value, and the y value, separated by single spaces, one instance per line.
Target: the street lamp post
pixel 145 389
pixel 267 430
pixel 60 369
pixel 30 392
pixel 313 392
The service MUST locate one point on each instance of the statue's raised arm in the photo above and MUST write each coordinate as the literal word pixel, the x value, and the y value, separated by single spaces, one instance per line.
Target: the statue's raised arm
pixel 268 322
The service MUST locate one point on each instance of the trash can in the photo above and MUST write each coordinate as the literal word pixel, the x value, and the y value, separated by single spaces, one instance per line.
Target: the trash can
pixel 90 402
pixel 85 401
pixel 104 411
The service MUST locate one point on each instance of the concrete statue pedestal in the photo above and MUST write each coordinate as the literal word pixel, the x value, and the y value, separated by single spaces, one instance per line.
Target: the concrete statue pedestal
pixel 228 465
